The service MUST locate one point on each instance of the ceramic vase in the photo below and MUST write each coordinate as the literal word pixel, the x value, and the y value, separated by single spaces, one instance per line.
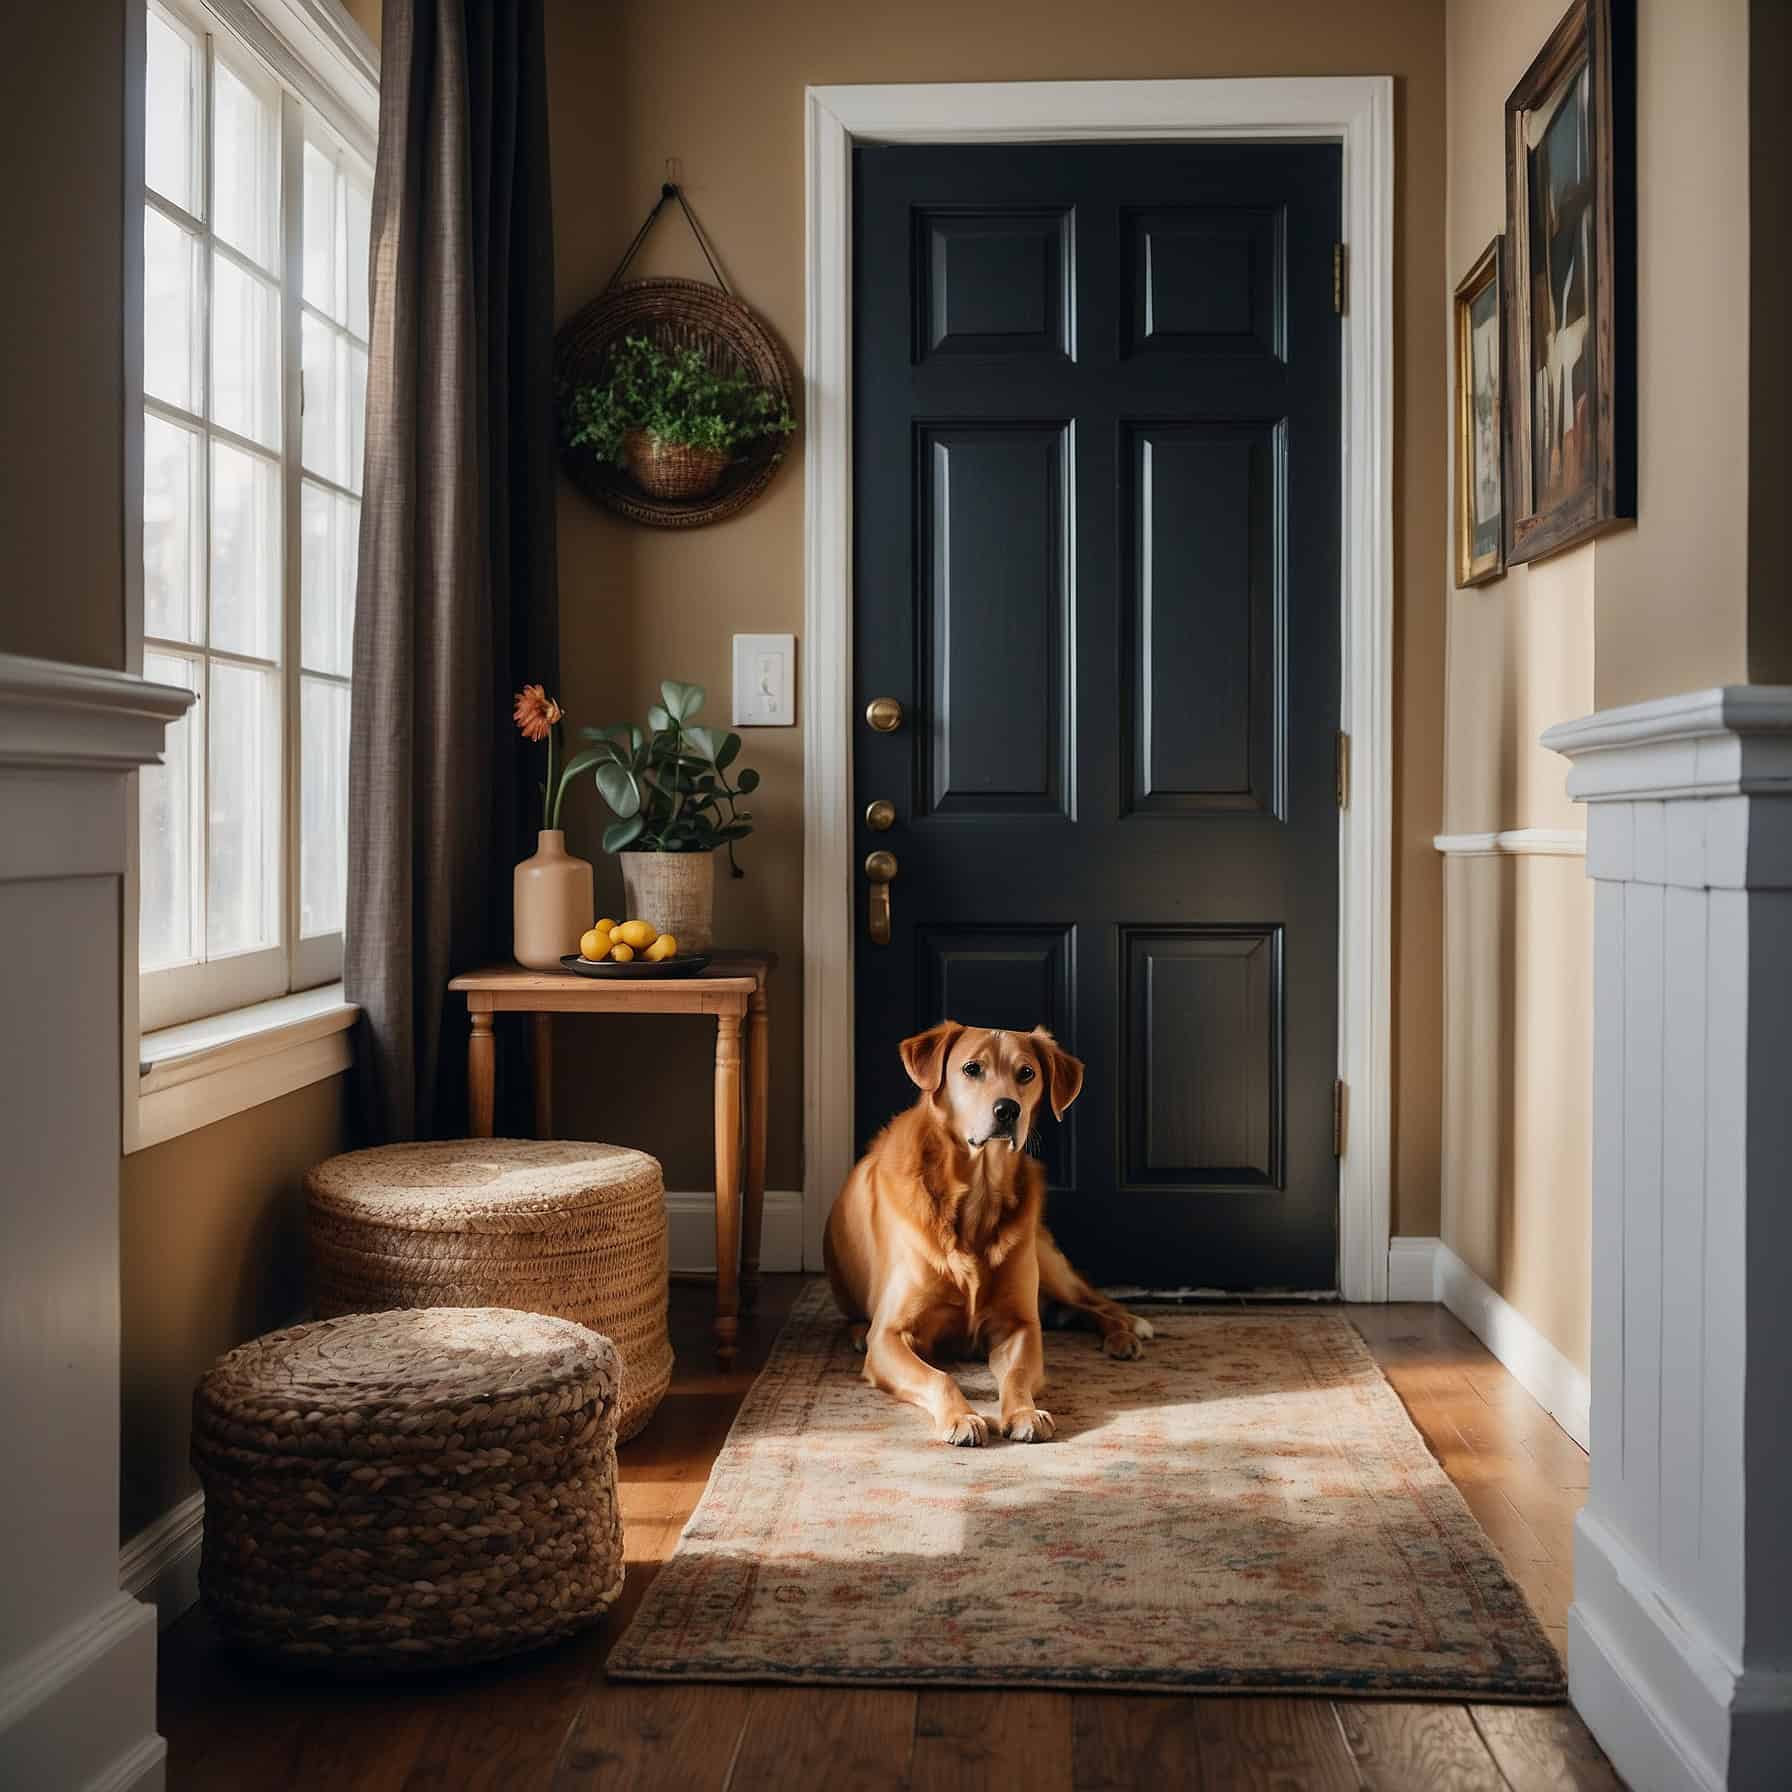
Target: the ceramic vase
pixel 675 891
pixel 553 903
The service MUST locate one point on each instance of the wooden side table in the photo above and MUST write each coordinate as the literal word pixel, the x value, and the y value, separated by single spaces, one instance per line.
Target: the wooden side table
pixel 732 988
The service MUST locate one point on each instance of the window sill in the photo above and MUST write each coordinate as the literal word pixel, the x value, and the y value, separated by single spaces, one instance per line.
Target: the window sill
pixel 207 1070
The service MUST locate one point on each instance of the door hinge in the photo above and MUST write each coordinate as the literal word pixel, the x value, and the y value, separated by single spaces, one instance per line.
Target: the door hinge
pixel 1341 769
pixel 1338 279
pixel 1340 1116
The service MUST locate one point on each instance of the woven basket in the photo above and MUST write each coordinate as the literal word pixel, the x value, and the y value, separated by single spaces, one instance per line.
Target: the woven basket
pixel 542 1225
pixel 675 891
pixel 665 469
pixel 675 314
pixel 409 1490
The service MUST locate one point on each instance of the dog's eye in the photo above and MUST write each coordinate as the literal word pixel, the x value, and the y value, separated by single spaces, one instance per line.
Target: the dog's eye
pixel 1024 1074
pixel 973 1069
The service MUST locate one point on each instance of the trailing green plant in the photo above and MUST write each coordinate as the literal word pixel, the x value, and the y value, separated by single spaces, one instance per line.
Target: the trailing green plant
pixel 676 395
pixel 669 787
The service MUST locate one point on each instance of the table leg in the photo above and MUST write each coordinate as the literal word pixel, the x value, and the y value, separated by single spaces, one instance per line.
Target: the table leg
pixel 727 1184
pixel 482 1073
pixel 758 1087
pixel 541 1064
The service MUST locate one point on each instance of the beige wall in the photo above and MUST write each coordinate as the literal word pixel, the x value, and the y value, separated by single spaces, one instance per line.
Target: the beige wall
pixel 212 1251
pixel 720 87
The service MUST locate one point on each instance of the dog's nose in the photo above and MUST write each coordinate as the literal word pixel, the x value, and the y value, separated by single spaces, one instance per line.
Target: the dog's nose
pixel 1007 1112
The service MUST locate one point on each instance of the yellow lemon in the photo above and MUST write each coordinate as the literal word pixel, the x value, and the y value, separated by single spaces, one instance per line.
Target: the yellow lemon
pixel 637 933
pixel 594 944
pixel 664 947
pixel 622 952
pixel 606 925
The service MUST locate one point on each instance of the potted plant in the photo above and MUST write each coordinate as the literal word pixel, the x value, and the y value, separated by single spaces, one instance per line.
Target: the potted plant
pixel 674 421
pixel 670 791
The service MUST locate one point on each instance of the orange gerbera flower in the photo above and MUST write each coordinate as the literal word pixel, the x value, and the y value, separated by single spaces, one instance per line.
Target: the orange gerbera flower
pixel 536 712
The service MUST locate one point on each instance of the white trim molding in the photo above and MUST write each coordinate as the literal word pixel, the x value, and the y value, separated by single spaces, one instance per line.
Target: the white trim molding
pixel 691 1232
pixel 1354 111
pixel 206 1070
pixel 160 1565
pixel 1427 1269
pixel 1681 1630
pixel 1563 843
pixel 61 718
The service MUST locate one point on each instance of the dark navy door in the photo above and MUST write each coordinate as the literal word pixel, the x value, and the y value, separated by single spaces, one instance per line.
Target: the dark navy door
pixel 1096 502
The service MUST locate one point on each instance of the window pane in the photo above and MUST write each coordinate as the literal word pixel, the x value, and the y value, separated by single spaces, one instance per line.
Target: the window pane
pixel 358 219
pixel 245 552
pixel 174 79
pixel 331 529
pixel 245 353
pixel 243 810
pixel 246 164
pixel 173 530
pixel 323 259
pixel 335 404
pixel 168 846
pixel 323 807
pixel 172 333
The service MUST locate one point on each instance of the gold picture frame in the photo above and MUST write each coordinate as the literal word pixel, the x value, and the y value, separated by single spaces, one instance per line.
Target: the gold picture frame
pixel 1480 350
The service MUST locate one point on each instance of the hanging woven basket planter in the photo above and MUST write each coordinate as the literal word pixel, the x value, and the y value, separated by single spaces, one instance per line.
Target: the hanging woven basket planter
pixel 668 484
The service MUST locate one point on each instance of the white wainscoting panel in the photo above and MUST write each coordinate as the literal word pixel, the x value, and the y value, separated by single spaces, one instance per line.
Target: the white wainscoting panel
pixel 1680 1634
pixel 691 1232
pixel 77 1657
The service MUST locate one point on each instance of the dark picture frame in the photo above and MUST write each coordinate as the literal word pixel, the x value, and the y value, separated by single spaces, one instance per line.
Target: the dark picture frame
pixel 1480 350
pixel 1571 284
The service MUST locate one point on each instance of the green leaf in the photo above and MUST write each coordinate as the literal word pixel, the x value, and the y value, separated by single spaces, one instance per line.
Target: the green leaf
pixel 682 700
pixel 659 721
pixel 621 833
pixel 706 741
pixel 730 751
pixel 582 762
pixel 619 789
pixel 747 782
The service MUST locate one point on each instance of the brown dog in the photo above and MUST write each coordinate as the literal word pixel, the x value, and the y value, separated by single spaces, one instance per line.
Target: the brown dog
pixel 936 1238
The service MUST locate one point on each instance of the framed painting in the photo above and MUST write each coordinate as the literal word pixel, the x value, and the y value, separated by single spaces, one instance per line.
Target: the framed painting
pixel 1480 414
pixel 1571 284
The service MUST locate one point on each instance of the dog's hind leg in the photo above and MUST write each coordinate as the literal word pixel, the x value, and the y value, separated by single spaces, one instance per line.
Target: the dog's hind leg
pixel 1120 1330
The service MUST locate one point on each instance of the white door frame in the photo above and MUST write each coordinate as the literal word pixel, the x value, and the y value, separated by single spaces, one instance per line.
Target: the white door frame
pixel 1355 111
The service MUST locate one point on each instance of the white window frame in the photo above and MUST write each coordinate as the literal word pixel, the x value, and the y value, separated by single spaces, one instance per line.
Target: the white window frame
pixel 245 1039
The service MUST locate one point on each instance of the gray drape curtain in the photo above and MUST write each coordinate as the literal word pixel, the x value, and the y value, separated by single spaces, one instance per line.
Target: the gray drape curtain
pixel 456 605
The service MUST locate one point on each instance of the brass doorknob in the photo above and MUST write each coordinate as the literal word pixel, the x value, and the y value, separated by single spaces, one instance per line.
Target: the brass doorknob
pixel 880 867
pixel 884 715
pixel 880 816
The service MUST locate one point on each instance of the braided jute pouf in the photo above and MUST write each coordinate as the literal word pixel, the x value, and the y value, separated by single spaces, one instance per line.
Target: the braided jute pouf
pixel 549 1226
pixel 409 1489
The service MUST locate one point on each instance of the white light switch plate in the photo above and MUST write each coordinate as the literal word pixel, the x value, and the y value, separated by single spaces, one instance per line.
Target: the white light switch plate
pixel 764 681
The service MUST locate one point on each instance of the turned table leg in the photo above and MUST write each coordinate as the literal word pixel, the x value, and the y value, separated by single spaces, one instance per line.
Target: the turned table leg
pixel 758 1086
pixel 727 1184
pixel 482 1073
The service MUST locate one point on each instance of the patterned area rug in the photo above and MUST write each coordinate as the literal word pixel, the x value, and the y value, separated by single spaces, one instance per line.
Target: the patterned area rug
pixel 1249 1507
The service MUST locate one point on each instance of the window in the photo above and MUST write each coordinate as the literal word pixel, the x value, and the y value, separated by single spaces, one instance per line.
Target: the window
pixel 255 243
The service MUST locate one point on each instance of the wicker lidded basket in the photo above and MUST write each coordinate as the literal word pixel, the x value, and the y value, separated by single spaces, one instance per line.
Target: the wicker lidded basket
pixel 409 1490
pixel 547 1226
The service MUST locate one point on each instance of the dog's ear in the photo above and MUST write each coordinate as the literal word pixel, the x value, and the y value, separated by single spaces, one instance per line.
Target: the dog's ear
pixel 1063 1073
pixel 924 1056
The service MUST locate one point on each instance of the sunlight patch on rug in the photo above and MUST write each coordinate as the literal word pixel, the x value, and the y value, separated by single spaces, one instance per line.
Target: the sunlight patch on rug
pixel 1249 1507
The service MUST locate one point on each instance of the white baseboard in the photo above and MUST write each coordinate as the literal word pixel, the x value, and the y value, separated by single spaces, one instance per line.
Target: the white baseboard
pixel 691 1232
pixel 80 1710
pixel 161 1563
pixel 1427 1269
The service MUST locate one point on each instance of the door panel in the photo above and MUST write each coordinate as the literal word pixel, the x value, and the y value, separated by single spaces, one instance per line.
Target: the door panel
pixel 1096 436
pixel 1203 617
pixel 992 622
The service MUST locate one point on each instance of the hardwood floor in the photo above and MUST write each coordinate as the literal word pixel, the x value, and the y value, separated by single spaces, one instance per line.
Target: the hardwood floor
pixel 551 1720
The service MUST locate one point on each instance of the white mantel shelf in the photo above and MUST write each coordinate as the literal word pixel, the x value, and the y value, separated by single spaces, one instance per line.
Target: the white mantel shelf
pixel 56 717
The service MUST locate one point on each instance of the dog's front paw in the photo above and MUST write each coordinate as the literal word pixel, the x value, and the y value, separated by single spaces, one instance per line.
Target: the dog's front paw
pixel 1143 1328
pixel 1030 1425
pixel 1124 1345
pixel 969 1430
